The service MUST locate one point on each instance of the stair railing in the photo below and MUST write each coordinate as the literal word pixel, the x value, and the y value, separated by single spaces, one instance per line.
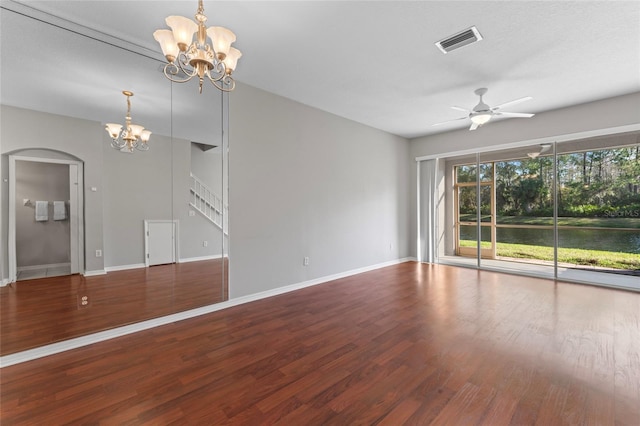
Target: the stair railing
pixel 207 203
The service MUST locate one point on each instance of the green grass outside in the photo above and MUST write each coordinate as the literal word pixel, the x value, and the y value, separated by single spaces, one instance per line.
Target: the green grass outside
pixel 596 222
pixel 599 258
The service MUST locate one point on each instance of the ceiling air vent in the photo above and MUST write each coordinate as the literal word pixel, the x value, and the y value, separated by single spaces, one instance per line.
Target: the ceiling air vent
pixel 458 40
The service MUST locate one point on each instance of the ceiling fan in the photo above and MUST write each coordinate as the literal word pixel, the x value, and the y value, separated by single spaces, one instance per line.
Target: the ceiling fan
pixel 482 113
pixel 544 147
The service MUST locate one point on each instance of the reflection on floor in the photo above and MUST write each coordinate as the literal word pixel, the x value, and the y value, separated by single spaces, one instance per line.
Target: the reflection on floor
pixel 31 274
pixel 47 310
pixel 541 269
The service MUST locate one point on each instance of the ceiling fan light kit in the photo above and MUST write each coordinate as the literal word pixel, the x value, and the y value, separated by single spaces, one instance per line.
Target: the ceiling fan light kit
pixel 483 113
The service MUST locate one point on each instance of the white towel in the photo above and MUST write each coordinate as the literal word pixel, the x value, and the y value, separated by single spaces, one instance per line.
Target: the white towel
pixel 59 210
pixel 42 211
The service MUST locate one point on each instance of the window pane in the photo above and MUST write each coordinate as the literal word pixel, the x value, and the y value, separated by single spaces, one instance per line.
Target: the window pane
pixel 523 202
pixel 467 204
pixel 599 210
pixel 485 237
pixel 486 172
pixel 524 189
pixel 485 206
pixel 468 236
pixel 466 174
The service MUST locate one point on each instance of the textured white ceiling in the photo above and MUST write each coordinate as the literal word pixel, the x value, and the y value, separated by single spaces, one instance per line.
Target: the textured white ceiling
pixel 372 62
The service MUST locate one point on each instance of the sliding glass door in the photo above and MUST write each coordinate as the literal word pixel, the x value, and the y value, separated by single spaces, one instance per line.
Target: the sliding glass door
pixel 474 211
pixel 569 210
pixel 599 211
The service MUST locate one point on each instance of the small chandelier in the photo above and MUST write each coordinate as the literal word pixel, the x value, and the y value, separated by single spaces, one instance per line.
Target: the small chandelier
pixel 188 57
pixel 133 135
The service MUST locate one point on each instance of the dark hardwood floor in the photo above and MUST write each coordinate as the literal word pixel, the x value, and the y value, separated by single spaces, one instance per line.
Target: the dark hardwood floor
pixel 47 310
pixel 408 344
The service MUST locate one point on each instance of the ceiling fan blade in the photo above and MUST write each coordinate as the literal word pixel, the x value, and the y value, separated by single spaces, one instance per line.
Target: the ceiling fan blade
pixel 457 108
pixel 514 102
pixel 449 121
pixel 515 114
pixel 474 126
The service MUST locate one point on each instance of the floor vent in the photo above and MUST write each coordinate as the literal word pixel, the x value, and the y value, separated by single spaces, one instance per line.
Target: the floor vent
pixel 456 41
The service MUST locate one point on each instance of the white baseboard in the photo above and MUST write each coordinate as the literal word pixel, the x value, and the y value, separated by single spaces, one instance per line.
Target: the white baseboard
pixel 124 267
pixel 199 258
pixel 94 273
pixel 35 267
pixel 31 354
pixel 4 282
pixel 298 286
pixel 142 265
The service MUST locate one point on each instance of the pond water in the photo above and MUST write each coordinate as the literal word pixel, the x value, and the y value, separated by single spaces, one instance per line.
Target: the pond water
pixel 611 239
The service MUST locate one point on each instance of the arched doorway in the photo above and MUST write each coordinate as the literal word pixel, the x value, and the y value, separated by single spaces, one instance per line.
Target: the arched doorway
pixel 46 214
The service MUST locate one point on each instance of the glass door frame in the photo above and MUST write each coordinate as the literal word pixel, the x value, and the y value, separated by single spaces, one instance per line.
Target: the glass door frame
pixel 485 253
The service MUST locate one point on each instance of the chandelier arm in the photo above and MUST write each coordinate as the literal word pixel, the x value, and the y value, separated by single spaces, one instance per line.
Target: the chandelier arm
pixel 219 71
pixel 141 146
pixel 118 144
pixel 171 71
pixel 228 81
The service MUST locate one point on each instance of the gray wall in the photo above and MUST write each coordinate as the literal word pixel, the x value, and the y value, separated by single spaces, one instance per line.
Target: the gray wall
pixel 138 186
pixel 151 185
pixel 43 242
pixel 307 183
pixel 604 114
pixel 22 129
pixel 207 166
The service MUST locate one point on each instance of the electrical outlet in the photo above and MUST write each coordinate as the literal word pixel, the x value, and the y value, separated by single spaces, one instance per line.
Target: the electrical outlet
pixel 83 301
pixel 305 261
pixel 205 243
pixel 98 253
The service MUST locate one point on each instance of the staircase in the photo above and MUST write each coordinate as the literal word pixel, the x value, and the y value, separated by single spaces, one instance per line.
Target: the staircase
pixel 207 203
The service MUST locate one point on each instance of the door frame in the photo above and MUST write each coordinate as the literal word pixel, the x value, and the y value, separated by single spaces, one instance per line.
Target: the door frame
pixel 176 239
pixel 76 212
pixel 485 253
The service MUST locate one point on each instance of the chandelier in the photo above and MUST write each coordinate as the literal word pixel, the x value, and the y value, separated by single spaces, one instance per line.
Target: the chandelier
pixel 189 57
pixel 133 135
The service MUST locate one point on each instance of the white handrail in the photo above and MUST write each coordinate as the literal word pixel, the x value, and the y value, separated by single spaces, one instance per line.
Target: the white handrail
pixel 204 200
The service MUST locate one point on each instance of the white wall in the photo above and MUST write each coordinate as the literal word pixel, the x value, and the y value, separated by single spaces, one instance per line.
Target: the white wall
pixel 304 182
pixel 562 123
